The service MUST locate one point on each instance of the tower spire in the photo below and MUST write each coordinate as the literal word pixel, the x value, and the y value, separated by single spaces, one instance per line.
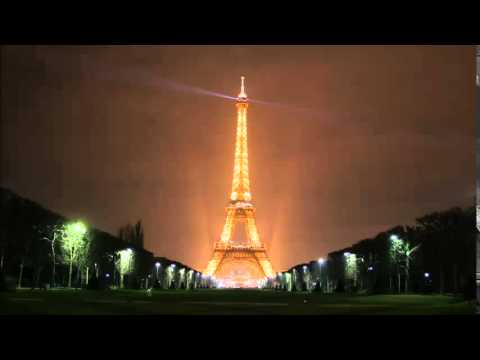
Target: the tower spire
pixel 241 183
pixel 243 94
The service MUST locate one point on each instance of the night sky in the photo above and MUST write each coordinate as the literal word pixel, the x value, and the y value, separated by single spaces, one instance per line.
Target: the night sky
pixel 108 134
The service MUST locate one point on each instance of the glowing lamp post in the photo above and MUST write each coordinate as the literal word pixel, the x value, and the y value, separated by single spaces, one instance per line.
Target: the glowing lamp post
pixel 428 281
pixel 351 267
pixel 73 242
pixel 125 263
pixel 320 262
pixel 171 276
pixel 157 266
pixel 394 237
pixel 79 228
pixel 181 278
pixel 401 249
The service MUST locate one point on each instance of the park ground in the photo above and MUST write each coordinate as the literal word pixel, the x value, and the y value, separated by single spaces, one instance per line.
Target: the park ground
pixel 224 302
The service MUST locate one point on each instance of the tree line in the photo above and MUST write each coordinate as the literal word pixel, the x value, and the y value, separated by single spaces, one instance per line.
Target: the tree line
pixel 436 255
pixel 42 249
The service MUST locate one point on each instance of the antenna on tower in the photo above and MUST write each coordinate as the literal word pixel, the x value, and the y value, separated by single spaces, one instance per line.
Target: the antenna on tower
pixel 242 94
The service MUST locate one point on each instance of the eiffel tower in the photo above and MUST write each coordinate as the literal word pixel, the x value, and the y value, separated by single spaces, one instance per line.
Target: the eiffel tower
pixel 240 261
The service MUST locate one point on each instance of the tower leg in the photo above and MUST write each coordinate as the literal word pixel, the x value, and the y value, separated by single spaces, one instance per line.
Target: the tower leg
pixel 214 263
pixel 252 230
pixel 228 227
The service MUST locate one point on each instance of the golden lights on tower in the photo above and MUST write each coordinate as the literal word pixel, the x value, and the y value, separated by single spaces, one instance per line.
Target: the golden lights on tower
pixel 241 182
pixel 251 255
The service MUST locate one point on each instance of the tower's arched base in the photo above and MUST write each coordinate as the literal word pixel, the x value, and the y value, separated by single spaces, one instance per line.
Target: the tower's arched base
pixel 239 267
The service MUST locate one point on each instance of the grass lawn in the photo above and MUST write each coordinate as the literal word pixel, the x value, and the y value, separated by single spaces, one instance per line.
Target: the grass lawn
pixel 236 302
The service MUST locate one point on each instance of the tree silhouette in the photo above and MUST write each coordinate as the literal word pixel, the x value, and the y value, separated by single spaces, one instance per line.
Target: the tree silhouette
pixel 132 234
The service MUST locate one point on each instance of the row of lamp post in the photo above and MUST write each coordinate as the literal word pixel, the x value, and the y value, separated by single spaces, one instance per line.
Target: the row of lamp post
pixel 191 279
pixel 405 250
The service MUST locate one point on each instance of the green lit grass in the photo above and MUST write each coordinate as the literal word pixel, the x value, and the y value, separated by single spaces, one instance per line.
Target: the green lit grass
pixel 206 302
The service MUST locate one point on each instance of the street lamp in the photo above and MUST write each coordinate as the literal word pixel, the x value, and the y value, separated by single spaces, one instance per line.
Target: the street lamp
pixel 351 267
pixel 79 228
pixel 401 250
pixel 428 281
pixel 394 237
pixel 321 262
pixel 157 266
pixel 397 253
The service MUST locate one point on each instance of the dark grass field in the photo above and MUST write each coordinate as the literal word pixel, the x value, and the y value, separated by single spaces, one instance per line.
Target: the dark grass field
pixel 224 302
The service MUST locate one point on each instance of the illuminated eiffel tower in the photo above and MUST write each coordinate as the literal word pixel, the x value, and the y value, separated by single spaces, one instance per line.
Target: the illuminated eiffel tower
pixel 240 262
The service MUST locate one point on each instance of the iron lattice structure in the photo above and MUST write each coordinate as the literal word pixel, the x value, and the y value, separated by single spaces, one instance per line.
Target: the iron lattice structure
pixel 247 263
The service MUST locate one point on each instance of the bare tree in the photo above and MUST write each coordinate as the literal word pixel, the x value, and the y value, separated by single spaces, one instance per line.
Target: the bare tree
pixel 132 234
pixel 53 235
